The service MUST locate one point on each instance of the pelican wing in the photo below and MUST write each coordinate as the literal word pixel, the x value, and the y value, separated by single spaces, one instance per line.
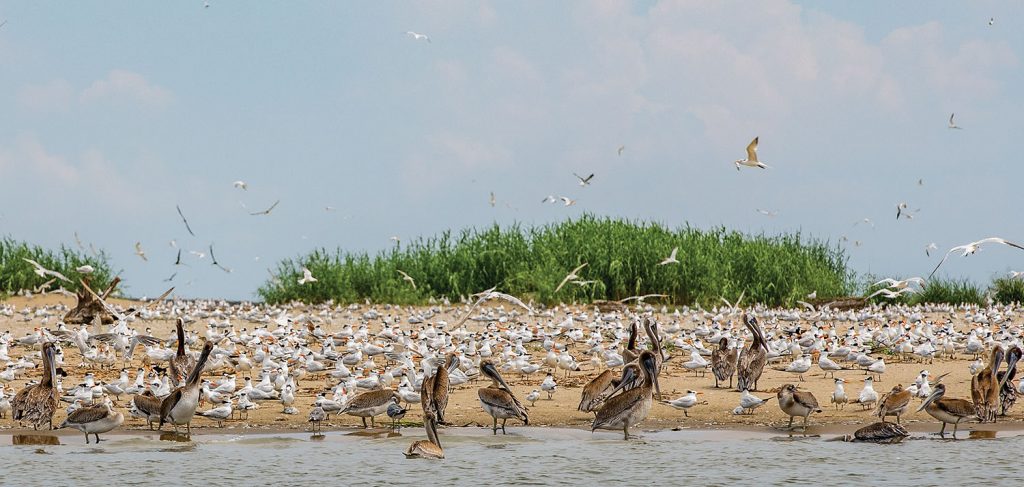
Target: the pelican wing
pixel 806 399
pixel 87 415
pixel 502 399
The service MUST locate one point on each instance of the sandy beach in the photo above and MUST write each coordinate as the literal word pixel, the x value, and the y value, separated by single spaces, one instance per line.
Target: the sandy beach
pixel 464 407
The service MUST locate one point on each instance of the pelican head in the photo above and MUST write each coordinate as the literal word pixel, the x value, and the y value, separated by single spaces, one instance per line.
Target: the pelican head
pixel 1012 357
pixel 937 393
pixel 650 366
pixel 488 369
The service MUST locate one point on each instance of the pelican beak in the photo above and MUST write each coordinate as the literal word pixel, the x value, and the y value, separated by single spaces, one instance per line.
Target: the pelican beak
pixel 628 376
pixel 1010 364
pixel 931 398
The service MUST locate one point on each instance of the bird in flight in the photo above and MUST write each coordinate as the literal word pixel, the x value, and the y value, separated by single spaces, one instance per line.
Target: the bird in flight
pixel 866 220
pixel 397 240
pixel 671 259
pixel 991 21
pixel 306 276
pixel 268 210
pixel 213 258
pixel 242 185
pixel 43 272
pixel 407 277
pixel 751 160
pixel 584 181
pixel 417 36
pixel 971 248
pixel 572 276
pixel 929 248
pixel 169 279
pixel 549 199
pixel 198 254
pixel 953 125
pixel 768 213
pixel 493 201
pixel 567 200
pixel 139 252
pixel 178 260
pixel 182 215
pixel 621 149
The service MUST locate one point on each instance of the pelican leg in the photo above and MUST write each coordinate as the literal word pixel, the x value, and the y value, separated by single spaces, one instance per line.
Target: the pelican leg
pixel 805 422
pixel 686 414
pixel 503 421
pixel 97 435
pixel 87 438
pixel 955 426
pixel 942 432
pixel 790 423
pixel 716 382
pixel 730 382
pixel 364 422
pixel 495 428
pixel 373 422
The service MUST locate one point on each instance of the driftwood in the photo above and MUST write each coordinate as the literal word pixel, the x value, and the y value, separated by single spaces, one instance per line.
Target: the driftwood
pixel 89 308
pixel 841 304
pixel 610 306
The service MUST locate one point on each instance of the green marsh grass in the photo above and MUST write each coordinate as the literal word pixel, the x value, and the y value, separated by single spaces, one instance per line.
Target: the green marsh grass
pixel 17 275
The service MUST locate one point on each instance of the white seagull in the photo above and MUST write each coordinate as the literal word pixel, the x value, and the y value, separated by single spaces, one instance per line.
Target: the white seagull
pixel 306 276
pixel 139 252
pixel 929 248
pixel 43 272
pixel 751 160
pixel 567 200
pixel 973 247
pixel 240 185
pixel 417 36
pixel 584 181
pixel 572 276
pixel 407 277
pixel 953 125
pixel 671 259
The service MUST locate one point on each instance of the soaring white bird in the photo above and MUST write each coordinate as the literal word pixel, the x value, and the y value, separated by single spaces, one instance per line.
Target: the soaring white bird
pixel 568 201
pixel 953 125
pixel 901 284
pixel 929 248
pixel 242 185
pixel 751 160
pixel 139 252
pixel 407 277
pixel 417 36
pixel 43 272
pixel 307 276
pixel 970 248
pixel 584 181
pixel 671 259
pixel 572 276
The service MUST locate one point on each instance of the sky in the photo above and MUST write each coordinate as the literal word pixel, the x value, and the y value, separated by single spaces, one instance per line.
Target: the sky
pixel 116 112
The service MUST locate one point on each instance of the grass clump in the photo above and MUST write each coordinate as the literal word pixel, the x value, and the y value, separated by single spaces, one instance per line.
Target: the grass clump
pixel 530 262
pixel 17 275
pixel 1007 290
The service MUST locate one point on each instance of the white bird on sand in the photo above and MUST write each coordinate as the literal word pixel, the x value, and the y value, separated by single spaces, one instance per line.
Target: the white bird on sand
pixel 307 276
pixel 139 252
pixel 548 385
pixel 953 125
pixel 85 269
pixel 686 402
pixel 533 396
pixel 242 185
pixel 43 272
pixel 751 160
pixel 839 395
pixel 417 36
pixel 867 396
pixel 671 259
pixel 750 402
pixel 970 248
pixel 572 276
pixel 407 277
pixel 584 181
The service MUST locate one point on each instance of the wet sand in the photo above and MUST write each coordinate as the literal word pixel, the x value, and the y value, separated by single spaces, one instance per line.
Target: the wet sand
pixel 464 407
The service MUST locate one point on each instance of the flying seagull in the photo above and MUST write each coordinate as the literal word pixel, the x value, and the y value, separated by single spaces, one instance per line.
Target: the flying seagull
pixel 549 199
pixel 584 181
pixel 407 277
pixel 973 247
pixel 268 210
pixel 492 294
pixel 43 272
pixel 671 259
pixel 493 201
pixel 139 252
pixel 567 200
pixel 751 160
pixel 306 276
pixel 768 213
pixel 621 148
pixel 213 258
pixel 182 215
pixel 929 248
pixel 572 275
pixel 169 279
pixel 951 124
pixel 240 185
pixel 417 36
pixel 85 269
pixel 991 21
pixel 178 261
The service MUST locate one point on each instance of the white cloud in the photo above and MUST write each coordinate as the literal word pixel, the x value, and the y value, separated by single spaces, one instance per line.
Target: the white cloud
pixel 122 84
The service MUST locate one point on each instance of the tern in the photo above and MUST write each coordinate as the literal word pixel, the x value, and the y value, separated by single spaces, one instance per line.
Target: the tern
pixel 187 227
pixel 213 258
pixel 953 125
pixel 43 272
pixel 572 276
pixel 549 199
pixel 139 252
pixel 85 269
pixel 584 181
pixel 894 284
pixel 671 259
pixel 991 22
pixel 973 247
pixel 621 149
pixel 929 248
pixel 306 276
pixel 417 36
pixel 751 160
pixel 567 200
pixel 242 185
pixel 407 277
pixel 492 200
pixel 768 213
pixel 268 210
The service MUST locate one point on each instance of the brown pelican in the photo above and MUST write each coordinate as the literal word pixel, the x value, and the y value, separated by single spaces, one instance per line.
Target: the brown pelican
pixel 371 404
pixel 434 389
pixel 947 409
pixel 985 389
pixel 797 403
pixel 723 362
pixel 633 405
pixel 594 392
pixel 498 400
pixel 429 448
pixel 147 406
pixel 36 403
pixel 630 353
pixel 752 358
pixel 180 406
pixel 894 403
pixel 1007 394
pixel 880 432
pixel 181 363
pixel 94 420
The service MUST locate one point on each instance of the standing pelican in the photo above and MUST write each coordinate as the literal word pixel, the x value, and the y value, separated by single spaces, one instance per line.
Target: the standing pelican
pixel 797 403
pixel 181 363
pixel 94 420
pixel 985 389
pixel 880 432
pixel 434 389
pixel 429 448
pixel 498 400
pixel 147 406
pixel 371 404
pixel 593 393
pixel 36 403
pixel 947 409
pixel 1007 394
pixel 630 353
pixel 752 358
pixel 632 406
pixel 723 362
pixel 179 407
pixel 894 403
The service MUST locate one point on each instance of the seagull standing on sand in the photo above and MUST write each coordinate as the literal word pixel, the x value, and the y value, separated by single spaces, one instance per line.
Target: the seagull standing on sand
pixel 417 36
pixel 671 259
pixel 973 247
pixel 307 276
pixel 751 160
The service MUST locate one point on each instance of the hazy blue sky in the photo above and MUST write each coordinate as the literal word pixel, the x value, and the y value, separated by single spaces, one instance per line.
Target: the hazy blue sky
pixel 114 112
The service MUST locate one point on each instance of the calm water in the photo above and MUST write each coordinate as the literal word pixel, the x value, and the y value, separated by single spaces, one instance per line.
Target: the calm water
pixel 532 456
